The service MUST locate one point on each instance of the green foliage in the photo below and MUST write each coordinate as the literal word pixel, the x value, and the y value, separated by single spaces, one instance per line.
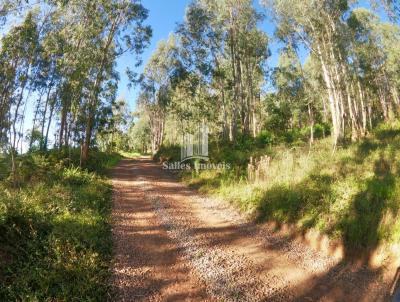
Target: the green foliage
pixel 264 138
pixel 321 130
pixel 129 154
pixel 238 152
pixel 54 231
pixel 170 153
pixel 112 135
pixel 139 135
pixel 352 194
pixel 4 167
pixel 98 162
pixel 293 136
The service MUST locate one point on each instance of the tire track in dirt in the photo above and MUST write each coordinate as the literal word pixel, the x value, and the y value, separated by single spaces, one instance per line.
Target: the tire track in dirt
pixel 147 264
pixel 229 276
pixel 172 244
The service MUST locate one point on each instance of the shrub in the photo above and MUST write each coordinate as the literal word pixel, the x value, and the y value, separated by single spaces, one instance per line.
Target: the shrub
pixel 169 153
pixel 352 194
pixel 264 138
pixel 294 136
pixel 54 232
pixel 321 130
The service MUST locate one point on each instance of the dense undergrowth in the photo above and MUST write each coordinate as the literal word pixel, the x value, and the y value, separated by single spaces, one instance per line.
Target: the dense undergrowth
pixel 352 194
pixel 55 238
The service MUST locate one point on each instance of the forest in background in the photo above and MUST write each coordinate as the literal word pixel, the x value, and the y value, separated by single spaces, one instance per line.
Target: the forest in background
pixel 337 73
pixel 60 58
pixel 312 142
pixel 214 69
pixel 62 54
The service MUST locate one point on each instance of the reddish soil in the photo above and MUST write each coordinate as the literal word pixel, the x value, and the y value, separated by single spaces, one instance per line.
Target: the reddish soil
pixel 172 244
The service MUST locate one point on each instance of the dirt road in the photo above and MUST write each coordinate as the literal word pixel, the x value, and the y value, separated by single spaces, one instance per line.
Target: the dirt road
pixel 171 244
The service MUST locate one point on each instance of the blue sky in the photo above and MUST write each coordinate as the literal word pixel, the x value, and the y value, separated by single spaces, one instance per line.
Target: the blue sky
pixel 163 17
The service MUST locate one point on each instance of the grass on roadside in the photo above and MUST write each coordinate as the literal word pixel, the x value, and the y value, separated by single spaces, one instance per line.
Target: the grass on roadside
pixel 55 237
pixel 352 194
pixel 127 154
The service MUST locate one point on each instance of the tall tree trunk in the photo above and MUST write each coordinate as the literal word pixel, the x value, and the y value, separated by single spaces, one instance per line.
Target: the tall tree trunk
pixel 384 106
pixel 224 113
pixel 44 118
pixel 95 92
pixel 332 101
pixel 63 121
pixel 311 119
pixel 233 125
pixel 363 108
pixel 46 139
pixel 35 120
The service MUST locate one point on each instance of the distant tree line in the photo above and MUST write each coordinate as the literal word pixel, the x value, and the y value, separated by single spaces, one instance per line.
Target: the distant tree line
pixel 214 68
pixel 62 55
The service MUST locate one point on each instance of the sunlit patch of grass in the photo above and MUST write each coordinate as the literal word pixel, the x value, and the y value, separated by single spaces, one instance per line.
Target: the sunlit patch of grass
pixel 130 154
pixel 352 194
pixel 56 234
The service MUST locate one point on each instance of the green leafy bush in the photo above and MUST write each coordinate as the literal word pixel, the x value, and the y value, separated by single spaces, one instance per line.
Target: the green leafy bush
pixel 169 153
pixel 352 194
pixel 264 138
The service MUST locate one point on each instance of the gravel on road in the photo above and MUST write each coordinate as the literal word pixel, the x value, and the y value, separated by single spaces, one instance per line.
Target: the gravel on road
pixel 172 244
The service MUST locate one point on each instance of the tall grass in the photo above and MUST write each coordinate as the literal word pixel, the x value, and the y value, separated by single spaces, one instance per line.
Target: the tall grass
pixel 55 238
pixel 352 194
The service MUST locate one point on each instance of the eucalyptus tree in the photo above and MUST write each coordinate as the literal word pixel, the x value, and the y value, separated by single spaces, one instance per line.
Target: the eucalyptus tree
pixel 121 29
pixel 51 66
pixel 202 51
pixel 191 103
pixel 354 49
pixel 47 75
pixel 288 78
pixel 374 51
pixel 223 36
pixel 81 50
pixel 111 134
pixel 246 49
pixel 319 26
pixel 18 57
pixel 73 55
pixel 156 83
pixel 315 93
pixel 140 133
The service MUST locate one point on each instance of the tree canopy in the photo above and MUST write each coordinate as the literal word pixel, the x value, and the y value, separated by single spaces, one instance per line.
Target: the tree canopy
pixel 63 55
